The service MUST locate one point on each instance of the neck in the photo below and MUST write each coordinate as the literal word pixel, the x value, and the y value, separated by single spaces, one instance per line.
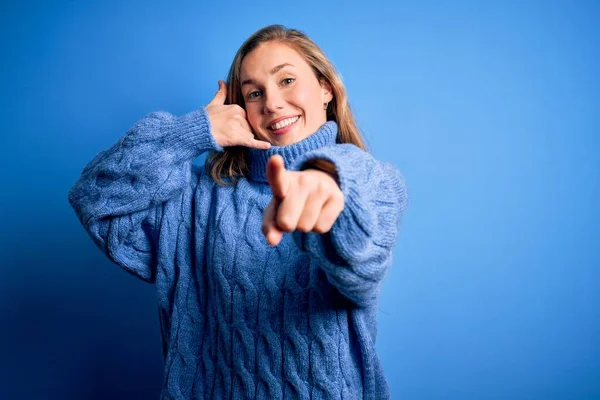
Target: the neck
pixel 325 136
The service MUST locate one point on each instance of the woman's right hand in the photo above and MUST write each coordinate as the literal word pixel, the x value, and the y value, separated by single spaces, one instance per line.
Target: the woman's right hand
pixel 228 122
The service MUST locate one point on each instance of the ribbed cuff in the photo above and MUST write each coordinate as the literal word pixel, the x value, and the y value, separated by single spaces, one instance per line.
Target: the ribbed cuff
pixel 191 134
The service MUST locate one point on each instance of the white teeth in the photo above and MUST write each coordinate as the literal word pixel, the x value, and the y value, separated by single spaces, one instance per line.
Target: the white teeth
pixel 284 123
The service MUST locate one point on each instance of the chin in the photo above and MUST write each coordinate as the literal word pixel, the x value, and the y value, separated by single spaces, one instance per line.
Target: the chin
pixel 284 140
pixel 288 140
pixel 280 141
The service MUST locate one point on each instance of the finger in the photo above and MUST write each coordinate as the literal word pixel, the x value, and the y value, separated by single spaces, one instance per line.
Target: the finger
pixel 221 94
pixel 246 130
pixel 245 125
pixel 236 109
pixel 269 227
pixel 258 144
pixel 247 139
pixel 291 207
pixel 244 122
pixel 330 212
pixel 311 212
pixel 278 177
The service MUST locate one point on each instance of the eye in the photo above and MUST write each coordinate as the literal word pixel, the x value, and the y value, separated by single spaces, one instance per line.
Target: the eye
pixel 287 81
pixel 253 95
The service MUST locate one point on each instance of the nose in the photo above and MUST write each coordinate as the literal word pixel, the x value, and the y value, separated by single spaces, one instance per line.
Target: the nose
pixel 273 101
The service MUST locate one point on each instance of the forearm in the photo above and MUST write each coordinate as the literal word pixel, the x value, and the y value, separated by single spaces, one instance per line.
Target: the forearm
pixel 123 194
pixel 357 250
pixel 150 164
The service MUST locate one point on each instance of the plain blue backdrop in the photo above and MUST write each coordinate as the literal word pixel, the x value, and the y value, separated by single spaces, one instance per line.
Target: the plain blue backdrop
pixel 490 109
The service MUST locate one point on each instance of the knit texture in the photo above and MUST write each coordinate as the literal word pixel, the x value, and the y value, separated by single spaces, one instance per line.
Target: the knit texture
pixel 240 319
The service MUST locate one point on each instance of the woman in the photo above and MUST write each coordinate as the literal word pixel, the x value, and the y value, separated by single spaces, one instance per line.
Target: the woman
pixel 268 262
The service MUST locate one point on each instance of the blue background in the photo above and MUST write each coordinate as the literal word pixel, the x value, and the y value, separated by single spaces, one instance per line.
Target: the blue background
pixel 491 110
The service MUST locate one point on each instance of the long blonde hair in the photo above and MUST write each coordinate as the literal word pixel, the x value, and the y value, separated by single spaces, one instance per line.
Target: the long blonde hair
pixel 232 163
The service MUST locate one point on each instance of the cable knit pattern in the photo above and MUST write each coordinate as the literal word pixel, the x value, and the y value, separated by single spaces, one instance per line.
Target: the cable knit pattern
pixel 240 319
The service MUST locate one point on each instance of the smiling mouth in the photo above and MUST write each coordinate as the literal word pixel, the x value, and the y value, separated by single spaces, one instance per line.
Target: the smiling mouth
pixel 283 126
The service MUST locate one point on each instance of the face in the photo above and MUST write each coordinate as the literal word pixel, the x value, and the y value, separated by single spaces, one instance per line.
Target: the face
pixel 283 97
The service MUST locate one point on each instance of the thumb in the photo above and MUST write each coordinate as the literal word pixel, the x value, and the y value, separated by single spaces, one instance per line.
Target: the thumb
pixel 221 94
pixel 278 176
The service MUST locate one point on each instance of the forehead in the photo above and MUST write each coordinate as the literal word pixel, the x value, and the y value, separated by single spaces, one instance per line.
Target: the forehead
pixel 267 56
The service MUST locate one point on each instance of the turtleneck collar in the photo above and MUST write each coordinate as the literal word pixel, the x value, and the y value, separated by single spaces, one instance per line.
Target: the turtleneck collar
pixel 325 136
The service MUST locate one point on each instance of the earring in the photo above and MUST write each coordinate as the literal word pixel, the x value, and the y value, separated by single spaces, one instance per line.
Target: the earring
pixel 325 106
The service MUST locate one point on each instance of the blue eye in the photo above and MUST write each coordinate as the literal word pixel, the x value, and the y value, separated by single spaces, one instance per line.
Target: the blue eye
pixel 254 94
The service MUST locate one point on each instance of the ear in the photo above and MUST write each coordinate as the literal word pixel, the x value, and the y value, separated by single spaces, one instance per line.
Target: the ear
pixel 326 90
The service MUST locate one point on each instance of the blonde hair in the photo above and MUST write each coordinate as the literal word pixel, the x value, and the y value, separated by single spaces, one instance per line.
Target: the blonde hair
pixel 232 163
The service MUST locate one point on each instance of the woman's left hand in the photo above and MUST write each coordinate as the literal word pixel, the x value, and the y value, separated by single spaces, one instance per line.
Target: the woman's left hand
pixel 309 201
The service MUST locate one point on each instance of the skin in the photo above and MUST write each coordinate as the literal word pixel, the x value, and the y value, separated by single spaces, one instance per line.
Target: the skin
pixel 278 82
pixel 309 201
pixel 293 90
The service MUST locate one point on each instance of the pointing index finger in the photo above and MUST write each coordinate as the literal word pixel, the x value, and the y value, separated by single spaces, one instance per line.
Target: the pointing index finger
pixel 277 176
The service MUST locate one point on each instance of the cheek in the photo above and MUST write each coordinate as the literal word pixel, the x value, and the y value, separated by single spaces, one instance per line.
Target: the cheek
pixel 253 116
pixel 305 99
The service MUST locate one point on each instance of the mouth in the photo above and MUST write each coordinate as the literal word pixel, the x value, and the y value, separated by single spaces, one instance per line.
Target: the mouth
pixel 283 126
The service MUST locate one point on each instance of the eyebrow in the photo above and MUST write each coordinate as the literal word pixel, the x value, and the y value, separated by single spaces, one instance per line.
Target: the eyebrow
pixel 271 72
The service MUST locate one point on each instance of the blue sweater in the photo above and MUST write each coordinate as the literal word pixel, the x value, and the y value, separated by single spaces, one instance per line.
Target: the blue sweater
pixel 240 319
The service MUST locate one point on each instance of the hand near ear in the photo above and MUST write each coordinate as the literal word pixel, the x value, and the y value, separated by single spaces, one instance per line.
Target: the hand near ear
pixel 308 201
pixel 229 124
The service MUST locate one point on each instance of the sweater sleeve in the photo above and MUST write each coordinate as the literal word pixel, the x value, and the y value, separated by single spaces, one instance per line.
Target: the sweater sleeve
pixel 122 192
pixel 357 251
